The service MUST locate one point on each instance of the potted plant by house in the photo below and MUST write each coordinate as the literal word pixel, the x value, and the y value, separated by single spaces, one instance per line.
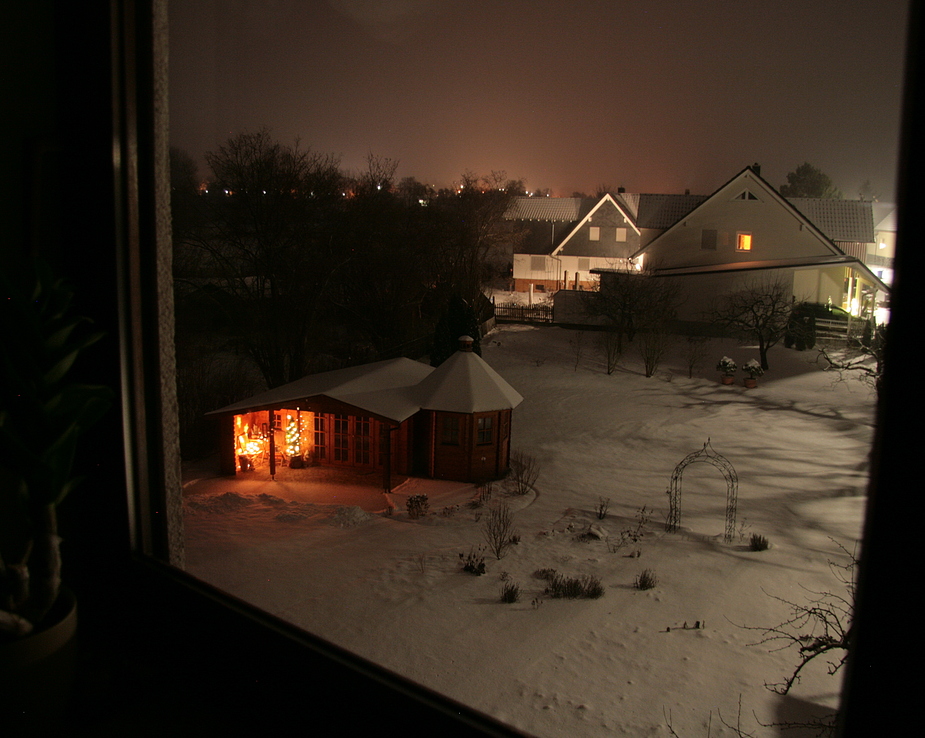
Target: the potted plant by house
pixel 727 369
pixel 754 370
pixel 43 412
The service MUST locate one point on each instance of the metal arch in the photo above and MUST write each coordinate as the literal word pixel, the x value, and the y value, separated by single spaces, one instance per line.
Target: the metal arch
pixel 708 455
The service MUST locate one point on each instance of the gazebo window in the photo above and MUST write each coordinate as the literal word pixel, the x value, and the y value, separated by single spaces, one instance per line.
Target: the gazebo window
pixel 320 440
pixel 449 430
pixel 341 438
pixel 485 429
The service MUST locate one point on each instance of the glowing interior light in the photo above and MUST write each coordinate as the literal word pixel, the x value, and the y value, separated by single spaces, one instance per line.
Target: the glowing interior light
pixel 248 442
pixel 293 436
pixel 745 242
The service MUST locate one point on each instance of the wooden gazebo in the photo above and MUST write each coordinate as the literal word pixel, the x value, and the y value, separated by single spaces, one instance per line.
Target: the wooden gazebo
pixel 398 415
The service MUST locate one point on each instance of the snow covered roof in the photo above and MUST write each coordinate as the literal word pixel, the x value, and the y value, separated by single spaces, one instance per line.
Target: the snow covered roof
pixel 464 383
pixel 381 388
pixel 840 220
pixel 660 211
pixel 396 389
pixel 566 209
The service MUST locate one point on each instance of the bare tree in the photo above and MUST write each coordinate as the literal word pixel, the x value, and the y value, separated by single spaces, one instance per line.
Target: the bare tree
pixel 633 301
pixel 610 344
pixel 697 347
pixel 653 345
pixel 865 361
pixel 819 628
pixel 499 530
pixel 760 310
pixel 525 468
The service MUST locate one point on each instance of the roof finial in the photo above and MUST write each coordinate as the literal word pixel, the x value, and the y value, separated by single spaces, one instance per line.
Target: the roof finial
pixel 465 343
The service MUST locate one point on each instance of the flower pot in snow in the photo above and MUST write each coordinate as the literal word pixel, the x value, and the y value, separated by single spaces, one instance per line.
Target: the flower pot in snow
pixel 727 379
pixel 751 382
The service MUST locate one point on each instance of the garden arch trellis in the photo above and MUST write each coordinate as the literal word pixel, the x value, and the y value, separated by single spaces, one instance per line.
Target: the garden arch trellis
pixel 709 456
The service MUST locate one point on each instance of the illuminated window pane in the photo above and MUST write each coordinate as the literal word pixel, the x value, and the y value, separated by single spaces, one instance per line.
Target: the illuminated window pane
pixel 744 242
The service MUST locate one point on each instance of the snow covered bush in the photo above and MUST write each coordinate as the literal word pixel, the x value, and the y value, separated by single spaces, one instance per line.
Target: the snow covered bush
pixel 417 506
pixel 753 369
pixel 727 366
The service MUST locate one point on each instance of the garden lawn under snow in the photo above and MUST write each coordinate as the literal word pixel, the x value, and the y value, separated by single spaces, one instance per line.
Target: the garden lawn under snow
pixel 393 590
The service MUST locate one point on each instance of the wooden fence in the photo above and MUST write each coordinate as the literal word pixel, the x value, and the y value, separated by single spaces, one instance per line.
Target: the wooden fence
pixel 513 313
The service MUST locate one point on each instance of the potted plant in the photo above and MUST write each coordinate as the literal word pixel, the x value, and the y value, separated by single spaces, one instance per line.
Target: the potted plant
pixel 754 370
pixel 727 369
pixel 43 412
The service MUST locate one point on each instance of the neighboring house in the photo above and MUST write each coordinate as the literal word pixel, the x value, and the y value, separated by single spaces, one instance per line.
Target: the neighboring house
pixel 746 230
pixel 398 416
pixel 880 255
pixel 567 237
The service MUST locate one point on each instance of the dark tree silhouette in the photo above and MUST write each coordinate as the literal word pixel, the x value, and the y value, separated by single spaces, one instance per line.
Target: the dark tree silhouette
pixel 633 301
pixel 460 319
pixel 269 238
pixel 808 181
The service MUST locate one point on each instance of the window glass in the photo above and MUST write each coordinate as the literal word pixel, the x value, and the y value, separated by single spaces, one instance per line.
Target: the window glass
pixel 320 258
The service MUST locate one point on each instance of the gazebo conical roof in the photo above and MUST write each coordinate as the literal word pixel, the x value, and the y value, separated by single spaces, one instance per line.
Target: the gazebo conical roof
pixel 464 383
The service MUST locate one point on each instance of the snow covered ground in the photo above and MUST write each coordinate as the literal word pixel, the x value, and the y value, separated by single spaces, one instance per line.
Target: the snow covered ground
pixel 392 589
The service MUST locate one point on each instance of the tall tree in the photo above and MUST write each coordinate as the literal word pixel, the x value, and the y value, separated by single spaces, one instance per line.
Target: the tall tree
pixel 808 181
pixel 474 223
pixel 270 241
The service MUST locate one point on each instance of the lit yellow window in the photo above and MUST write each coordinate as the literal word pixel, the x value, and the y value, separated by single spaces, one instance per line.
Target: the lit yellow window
pixel 744 242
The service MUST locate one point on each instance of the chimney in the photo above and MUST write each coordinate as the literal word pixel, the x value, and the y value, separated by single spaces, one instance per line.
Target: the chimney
pixel 621 190
pixel 465 343
pixel 756 168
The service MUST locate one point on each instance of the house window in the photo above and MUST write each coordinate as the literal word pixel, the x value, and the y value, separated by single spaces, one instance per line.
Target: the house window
pixel 484 430
pixel 621 235
pixel 537 263
pixel 743 242
pixel 745 195
pixel 584 265
pixel 594 233
pixel 708 240
pixel 449 430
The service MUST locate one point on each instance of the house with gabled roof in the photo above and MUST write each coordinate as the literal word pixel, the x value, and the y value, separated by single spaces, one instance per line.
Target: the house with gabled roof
pixel 396 416
pixel 747 230
pixel 566 237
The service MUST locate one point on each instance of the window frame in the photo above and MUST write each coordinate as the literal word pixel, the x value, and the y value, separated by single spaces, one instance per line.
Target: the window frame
pixel 137 87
